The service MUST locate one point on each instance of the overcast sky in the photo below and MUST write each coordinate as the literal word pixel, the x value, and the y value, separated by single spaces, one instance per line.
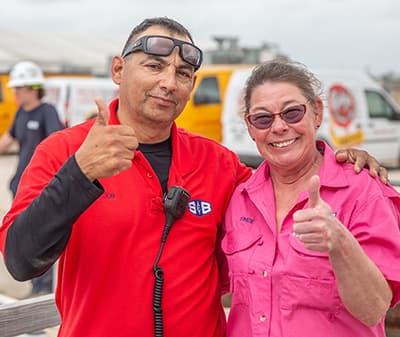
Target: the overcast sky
pixel 360 34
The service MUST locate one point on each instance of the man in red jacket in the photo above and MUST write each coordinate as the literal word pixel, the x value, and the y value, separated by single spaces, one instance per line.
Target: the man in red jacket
pixel 92 196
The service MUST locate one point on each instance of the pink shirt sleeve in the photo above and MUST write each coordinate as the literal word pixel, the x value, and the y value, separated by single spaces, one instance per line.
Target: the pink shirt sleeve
pixel 376 227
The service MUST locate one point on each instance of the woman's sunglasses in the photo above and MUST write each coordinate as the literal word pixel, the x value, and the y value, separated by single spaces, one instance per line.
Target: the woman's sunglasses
pixel 164 45
pixel 263 120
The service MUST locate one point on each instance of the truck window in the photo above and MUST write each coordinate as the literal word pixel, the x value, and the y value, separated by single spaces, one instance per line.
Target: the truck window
pixel 378 106
pixel 207 92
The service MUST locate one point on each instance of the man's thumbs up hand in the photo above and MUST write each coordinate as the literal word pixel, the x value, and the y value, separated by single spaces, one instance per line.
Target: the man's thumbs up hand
pixel 107 149
pixel 103 113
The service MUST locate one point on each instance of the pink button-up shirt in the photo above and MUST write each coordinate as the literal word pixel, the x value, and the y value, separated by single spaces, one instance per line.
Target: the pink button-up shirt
pixel 280 288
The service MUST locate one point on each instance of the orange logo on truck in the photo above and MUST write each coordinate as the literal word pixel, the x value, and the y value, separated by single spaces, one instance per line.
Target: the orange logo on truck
pixel 341 105
pixel 342 108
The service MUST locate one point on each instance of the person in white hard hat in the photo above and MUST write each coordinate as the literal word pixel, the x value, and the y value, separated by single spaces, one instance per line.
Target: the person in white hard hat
pixel 33 122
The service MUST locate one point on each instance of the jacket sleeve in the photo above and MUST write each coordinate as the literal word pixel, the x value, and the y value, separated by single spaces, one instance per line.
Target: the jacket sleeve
pixel 39 234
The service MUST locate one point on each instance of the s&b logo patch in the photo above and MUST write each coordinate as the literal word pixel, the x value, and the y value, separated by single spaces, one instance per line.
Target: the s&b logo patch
pixel 199 207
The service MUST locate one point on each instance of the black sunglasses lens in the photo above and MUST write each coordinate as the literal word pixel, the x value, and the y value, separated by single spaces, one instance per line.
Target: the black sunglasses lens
pixel 294 114
pixel 163 46
pixel 159 46
pixel 190 54
pixel 261 121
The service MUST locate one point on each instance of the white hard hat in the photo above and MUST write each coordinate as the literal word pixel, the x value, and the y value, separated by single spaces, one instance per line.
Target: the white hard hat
pixel 26 73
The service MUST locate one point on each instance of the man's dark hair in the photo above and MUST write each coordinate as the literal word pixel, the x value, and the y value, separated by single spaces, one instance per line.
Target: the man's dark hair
pixel 41 93
pixel 169 24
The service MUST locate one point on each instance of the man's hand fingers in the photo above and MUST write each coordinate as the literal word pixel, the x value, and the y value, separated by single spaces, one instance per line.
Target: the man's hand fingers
pixel 361 159
pixel 357 157
pixel 103 113
pixel 381 172
pixel 375 169
pixel 341 156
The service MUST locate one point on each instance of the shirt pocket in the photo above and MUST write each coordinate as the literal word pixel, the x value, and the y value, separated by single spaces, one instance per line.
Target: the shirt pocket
pixel 305 293
pixel 308 281
pixel 239 247
pixel 34 133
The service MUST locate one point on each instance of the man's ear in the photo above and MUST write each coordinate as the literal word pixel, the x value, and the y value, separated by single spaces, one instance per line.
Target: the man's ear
pixel 117 66
pixel 194 81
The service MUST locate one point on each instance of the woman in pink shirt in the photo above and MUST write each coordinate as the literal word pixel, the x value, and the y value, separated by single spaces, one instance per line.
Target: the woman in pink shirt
pixel 313 248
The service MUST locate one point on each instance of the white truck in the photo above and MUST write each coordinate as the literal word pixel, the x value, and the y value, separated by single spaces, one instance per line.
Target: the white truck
pixel 74 97
pixel 358 112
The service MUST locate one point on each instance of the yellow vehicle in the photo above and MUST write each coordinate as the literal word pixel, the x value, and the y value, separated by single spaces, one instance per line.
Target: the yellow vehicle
pixel 203 111
pixel 8 105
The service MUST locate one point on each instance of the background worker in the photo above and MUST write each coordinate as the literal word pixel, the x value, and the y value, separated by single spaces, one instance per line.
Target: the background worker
pixel 93 196
pixel 33 122
pixel 34 119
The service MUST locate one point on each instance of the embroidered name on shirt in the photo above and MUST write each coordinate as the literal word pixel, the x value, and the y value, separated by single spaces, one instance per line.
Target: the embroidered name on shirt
pixel 199 207
pixel 109 195
pixel 246 219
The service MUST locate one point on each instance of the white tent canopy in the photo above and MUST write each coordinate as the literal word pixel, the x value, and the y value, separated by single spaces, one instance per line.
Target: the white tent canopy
pixel 56 52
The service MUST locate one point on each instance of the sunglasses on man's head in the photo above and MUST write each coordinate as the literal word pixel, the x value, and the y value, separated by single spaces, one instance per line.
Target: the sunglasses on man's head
pixel 264 120
pixel 164 45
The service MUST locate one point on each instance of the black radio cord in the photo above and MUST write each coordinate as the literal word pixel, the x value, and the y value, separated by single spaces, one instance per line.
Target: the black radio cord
pixel 175 203
pixel 157 295
pixel 159 282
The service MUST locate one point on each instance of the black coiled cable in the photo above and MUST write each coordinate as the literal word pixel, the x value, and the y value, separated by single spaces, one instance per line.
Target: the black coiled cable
pixel 157 295
pixel 175 203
